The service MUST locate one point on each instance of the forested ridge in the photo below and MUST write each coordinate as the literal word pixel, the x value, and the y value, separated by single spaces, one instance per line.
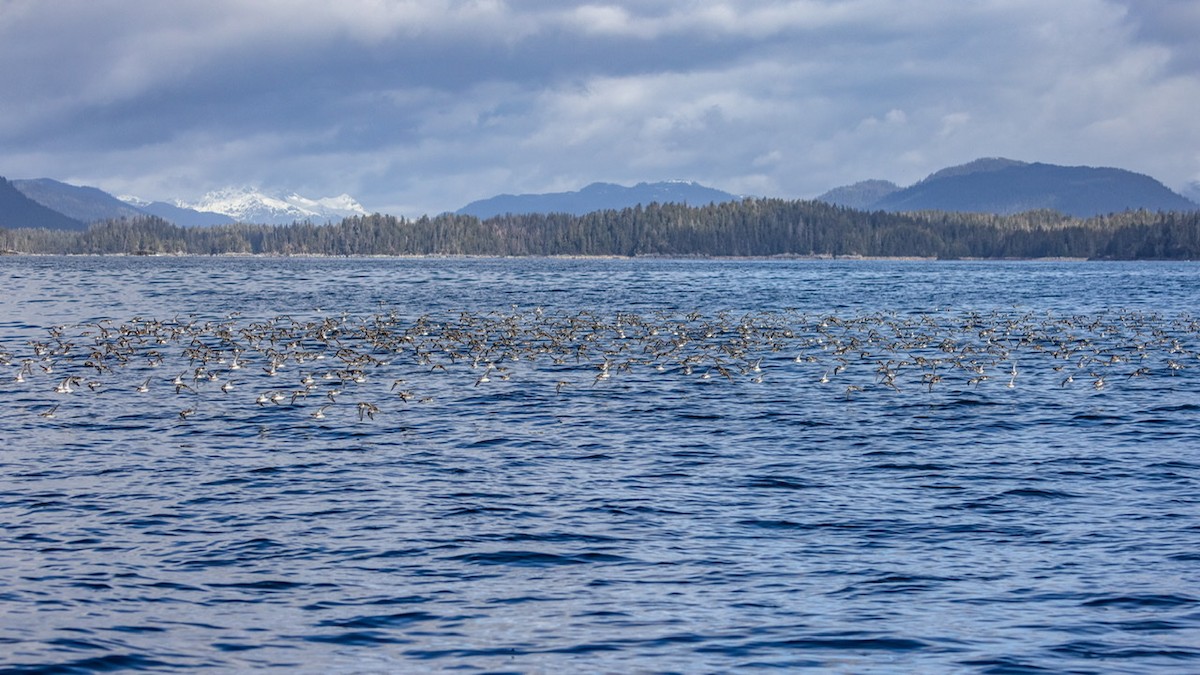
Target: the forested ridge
pixel 748 228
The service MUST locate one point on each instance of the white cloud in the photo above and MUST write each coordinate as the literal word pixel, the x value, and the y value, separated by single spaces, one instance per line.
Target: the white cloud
pixel 953 122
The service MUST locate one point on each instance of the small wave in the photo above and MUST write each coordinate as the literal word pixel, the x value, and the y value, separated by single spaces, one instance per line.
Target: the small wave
pixel 1097 418
pixel 534 558
pixel 779 483
pixel 899 466
pixel 233 647
pixel 969 403
pixel 890 644
pixel 172 586
pixel 588 648
pixel 1007 665
pixel 892 583
pixel 97 664
pixel 593 456
pixel 700 416
pixel 358 638
pixel 1039 493
pixel 499 441
pixel 265 585
pixel 1142 600
pixel 1175 464
pixel 381 620
pixel 476 510
pixel 775 524
pixel 1091 649
pixel 551 537
pixel 1182 407
pixel 139 629
pixel 1147 625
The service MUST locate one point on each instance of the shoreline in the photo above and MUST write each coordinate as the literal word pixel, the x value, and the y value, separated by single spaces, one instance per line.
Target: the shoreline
pixel 465 256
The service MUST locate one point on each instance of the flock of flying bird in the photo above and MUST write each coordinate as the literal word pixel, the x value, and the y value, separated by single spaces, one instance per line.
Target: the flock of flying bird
pixel 380 362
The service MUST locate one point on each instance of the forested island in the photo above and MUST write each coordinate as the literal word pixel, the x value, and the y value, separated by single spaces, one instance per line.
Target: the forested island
pixel 747 228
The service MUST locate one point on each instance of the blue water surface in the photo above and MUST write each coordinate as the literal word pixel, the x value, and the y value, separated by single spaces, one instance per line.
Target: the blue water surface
pixel 555 465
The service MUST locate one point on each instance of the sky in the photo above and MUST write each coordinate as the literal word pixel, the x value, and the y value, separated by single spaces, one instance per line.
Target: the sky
pixel 421 106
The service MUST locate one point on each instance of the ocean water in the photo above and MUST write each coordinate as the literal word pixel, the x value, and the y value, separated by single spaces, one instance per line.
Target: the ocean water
pixel 415 465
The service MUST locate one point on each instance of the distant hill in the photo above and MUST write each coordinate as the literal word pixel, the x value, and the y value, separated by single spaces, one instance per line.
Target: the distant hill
pixel 17 210
pixel 598 197
pixel 861 195
pixel 980 165
pixel 85 204
pixel 1005 186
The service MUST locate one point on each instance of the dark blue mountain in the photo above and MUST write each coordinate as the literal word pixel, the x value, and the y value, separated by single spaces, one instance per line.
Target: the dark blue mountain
pixel 862 195
pixel 17 210
pixel 89 204
pixel 85 204
pixel 1005 186
pixel 598 197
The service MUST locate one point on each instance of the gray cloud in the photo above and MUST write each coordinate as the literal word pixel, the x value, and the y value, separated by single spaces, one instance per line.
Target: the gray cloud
pixel 419 106
pixel 1172 24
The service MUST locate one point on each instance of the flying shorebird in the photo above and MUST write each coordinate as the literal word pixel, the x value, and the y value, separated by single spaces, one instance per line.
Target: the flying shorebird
pixel 64 387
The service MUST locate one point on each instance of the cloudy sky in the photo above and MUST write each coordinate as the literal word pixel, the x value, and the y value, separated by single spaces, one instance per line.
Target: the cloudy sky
pixel 420 106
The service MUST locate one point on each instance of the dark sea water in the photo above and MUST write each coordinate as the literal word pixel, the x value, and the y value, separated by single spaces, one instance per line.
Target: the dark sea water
pixel 598 466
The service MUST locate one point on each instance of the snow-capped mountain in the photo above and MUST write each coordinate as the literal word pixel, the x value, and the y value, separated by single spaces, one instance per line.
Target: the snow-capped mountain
pixel 134 200
pixel 249 205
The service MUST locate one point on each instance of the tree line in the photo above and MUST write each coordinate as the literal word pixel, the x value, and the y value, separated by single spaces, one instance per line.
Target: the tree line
pixel 748 228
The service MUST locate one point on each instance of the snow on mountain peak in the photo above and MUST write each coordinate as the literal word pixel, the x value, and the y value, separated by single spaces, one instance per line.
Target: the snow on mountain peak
pixel 342 203
pixel 251 205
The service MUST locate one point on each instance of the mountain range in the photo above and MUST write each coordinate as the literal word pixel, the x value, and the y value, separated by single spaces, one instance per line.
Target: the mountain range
pixel 598 197
pixel 249 205
pixel 44 202
pixel 989 185
pixel 1007 186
